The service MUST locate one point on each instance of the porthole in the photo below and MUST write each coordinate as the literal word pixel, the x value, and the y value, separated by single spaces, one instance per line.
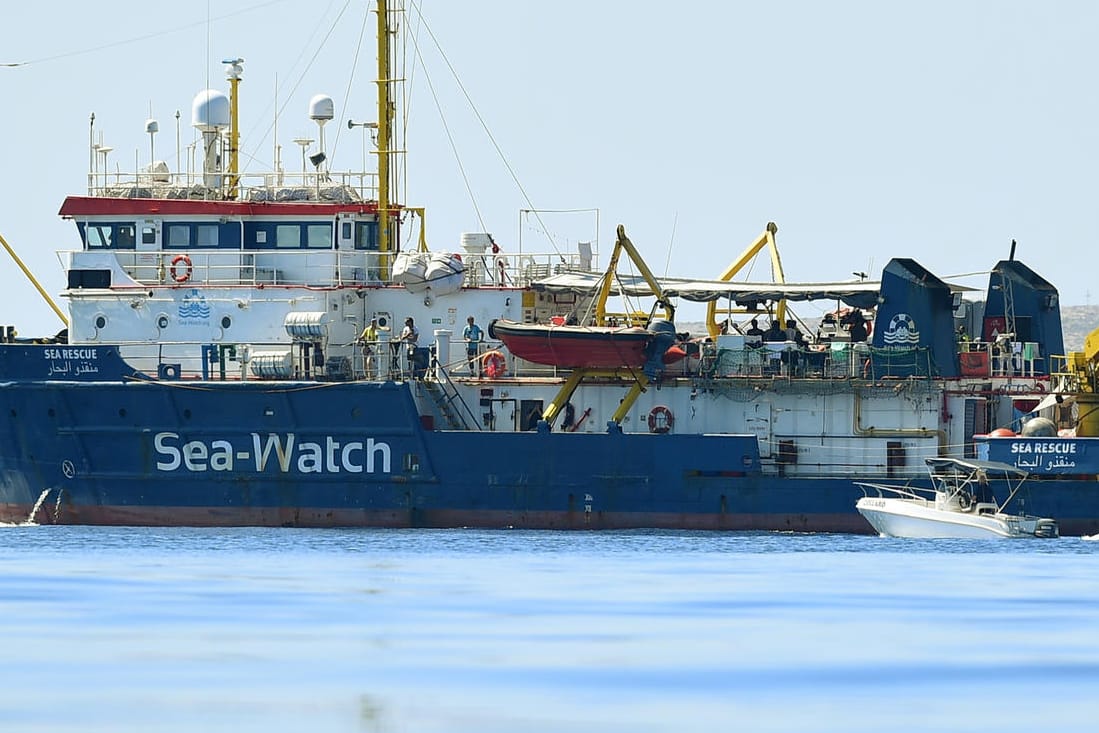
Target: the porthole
pixel 100 321
pixel 162 321
pixel 226 321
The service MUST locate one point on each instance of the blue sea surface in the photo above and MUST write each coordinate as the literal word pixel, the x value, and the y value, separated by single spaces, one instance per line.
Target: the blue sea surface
pixel 137 629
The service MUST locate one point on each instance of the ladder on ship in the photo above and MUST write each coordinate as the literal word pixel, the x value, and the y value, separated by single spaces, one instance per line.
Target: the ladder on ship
pixel 1009 300
pixel 449 403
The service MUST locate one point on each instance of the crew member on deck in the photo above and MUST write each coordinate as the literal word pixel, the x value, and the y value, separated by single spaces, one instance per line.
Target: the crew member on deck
pixel 858 326
pixel 984 489
pixel 794 334
pixel 473 337
pixel 775 332
pixel 368 339
pixel 410 338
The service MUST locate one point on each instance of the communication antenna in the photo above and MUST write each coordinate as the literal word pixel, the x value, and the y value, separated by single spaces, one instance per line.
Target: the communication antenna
pixel 151 127
pixel 305 142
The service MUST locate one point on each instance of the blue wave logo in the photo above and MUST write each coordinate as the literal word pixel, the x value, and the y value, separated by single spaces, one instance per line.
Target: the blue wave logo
pixel 902 331
pixel 194 307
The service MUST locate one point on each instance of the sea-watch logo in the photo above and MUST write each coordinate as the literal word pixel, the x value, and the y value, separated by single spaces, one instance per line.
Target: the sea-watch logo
pixel 193 309
pixel 901 331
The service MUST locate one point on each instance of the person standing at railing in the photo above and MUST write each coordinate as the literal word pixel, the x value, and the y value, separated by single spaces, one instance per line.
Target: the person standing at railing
pixel 473 337
pixel 369 341
pixel 410 339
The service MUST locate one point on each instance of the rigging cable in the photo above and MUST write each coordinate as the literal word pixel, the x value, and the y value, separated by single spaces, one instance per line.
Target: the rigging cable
pixel 442 117
pixel 485 127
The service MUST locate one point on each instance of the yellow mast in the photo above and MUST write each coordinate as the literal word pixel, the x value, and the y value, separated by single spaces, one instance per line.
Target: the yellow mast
pixel 385 118
pixel 234 71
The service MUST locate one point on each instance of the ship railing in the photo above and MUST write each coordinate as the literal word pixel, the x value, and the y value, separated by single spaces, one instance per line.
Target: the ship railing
pixel 1070 373
pixel 782 359
pixel 300 266
pixel 508 269
pixel 1001 358
pixel 261 186
pixel 319 360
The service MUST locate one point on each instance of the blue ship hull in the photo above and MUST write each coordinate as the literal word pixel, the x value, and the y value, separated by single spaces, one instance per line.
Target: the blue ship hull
pixel 109 446
pixel 334 454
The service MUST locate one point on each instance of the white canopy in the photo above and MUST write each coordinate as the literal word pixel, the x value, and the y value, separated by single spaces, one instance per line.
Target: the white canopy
pixel 857 294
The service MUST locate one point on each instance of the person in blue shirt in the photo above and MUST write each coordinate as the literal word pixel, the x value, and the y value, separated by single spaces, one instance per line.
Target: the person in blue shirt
pixel 473 337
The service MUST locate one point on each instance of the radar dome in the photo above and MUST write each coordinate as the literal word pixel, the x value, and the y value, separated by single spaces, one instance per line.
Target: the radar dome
pixel 210 110
pixel 321 108
pixel 1039 427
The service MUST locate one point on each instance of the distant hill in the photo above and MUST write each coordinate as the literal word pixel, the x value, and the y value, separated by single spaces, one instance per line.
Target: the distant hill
pixel 1077 321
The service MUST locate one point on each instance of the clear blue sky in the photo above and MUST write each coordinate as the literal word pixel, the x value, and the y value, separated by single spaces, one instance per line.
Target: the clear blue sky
pixel 866 130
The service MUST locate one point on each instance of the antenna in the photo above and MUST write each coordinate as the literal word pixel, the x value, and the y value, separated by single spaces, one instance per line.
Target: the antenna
pixel 373 127
pixel 151 127
pixel 305 142
pixel 179 167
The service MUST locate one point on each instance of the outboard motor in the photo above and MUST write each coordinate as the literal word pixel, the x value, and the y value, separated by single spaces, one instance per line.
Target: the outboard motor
pixel 663 338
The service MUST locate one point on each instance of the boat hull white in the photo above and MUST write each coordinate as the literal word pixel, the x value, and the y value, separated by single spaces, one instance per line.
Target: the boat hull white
pixel 895 517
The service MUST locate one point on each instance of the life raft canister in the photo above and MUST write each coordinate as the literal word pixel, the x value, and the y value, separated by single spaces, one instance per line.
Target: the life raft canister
pixel 493 364
pixel 181 268
pixel 661 419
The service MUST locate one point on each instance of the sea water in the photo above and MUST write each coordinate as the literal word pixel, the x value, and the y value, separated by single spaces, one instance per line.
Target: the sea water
pixel 131 629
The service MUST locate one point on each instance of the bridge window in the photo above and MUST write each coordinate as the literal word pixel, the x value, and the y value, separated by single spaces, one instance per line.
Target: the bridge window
pixel 318 236
pixel 110 236
pixel 288 235
pixel 179 235
pixel 127 237
pixel 148 234
pixel 206 235
pixel 366 235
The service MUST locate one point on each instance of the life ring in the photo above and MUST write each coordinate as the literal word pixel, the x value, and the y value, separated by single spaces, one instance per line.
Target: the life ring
pixel 178 273
pixel 661 419
pixel 493 364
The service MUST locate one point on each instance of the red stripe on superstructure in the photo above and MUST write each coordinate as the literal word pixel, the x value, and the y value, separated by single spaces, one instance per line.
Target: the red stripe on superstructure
pixel 102 206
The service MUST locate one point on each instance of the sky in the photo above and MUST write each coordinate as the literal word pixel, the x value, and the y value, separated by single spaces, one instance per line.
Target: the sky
pixel 939 131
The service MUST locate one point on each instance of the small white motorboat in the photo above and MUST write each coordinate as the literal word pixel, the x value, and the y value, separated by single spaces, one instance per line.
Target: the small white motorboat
pixel 959 504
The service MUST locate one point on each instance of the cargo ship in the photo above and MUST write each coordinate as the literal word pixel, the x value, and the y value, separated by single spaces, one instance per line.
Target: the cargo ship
pixel 277 349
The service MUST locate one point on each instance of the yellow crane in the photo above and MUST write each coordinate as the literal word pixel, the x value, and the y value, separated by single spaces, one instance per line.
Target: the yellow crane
pixel 34 282
pixel 1082 369
pixel 766 239
pixel 622 245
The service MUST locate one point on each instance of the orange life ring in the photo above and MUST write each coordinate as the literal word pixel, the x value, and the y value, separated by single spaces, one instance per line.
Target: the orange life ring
pixel 493 364
pixel 181 274
pixel 661 419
